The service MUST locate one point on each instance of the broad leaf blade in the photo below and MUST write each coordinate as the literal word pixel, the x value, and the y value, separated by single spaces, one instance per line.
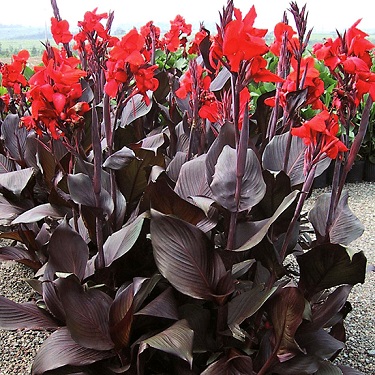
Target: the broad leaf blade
pixel 120 242
pixel 163 306
pixel 119 159
pixel 345 228
pixel 223 184
pixel 135 108
pixel 82 192
pixel 60 350
pixel 329 265
pixel 68 252
pixel 274 155
pixel 20 255
pixel 121 314
pixel 16 181
pixel 245 305
pixel 14 136
pixel 261 228
pixel 86 314
pixel 23 316
pixel 40 212
pixel 176 340
pixel 182 257
pixel 192 179
pixel 286 310
pixel 6 164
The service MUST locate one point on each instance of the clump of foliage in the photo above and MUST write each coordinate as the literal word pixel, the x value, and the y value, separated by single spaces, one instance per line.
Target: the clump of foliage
pixel 156 185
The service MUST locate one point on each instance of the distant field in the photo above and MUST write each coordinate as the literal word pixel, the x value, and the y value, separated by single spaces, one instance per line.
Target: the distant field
pixel 12 47
pixel 9 47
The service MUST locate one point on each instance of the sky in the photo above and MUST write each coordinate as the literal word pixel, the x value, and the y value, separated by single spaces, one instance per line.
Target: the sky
pixel 324 15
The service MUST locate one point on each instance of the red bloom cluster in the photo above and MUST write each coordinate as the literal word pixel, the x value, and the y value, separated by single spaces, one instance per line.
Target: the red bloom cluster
pixel 54 95
pixel 279 31
pixel 350 54
pixel 240 41
pixel 12 77
pixel 177 35
pixel 129 58
pixel 196 82
pixel 60 31
pixel 92 32
pixel 321 133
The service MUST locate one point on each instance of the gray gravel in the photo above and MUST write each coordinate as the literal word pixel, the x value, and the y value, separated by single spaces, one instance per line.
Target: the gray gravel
pixel 17 349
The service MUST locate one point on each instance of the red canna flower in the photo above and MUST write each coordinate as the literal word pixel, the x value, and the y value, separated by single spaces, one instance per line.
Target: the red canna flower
pixel 60 31
pixel 54 94
pixel 198 38
pixel 12 76
pixel 129 48
pixel 320 133
pixel 240 42
pixel 145 81
pixel 280 30
pixel 177 34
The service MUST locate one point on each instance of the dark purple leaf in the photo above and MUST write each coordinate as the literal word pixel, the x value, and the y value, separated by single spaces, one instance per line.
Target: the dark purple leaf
pixel 323 312
pixel 174 167
pixel 40 212
pixel 256 231
pixel 8 211
pixel 166 201
pixel 192 179
pixel 31 150
pixel 274 154
pixel 223 184
pixel 300 364
pixel 234 363
pixel 14 136
pixel 328 368
pixel 152 143
pixel 183 258
pixel 67 251
pixel 345 228
pixel 133 180
pixel 16 181
pixel 24 316
pixel 225 137
pixel 349 371
pixel 329 265
pixel 245 305
pixel 60 350
pixel 82 192
pixel 286 309
pixel 120 242
pixel 6 164
pixel 135 108
pixel 320 344
pixel 86 313
pixel 119 159
pixel 121 314
pixel 163 306
pixel 52 301
pixel 176 340
pixel 20 255
pixel 220 80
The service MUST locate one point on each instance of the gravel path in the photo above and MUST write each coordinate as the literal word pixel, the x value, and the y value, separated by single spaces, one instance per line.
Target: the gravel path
pixel 17 349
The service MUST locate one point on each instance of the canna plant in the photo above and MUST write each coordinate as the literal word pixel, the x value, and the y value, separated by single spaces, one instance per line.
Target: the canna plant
pixel 161 203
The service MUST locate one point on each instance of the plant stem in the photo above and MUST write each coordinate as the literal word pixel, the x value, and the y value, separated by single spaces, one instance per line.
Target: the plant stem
pixel 97 185
pixel 304 192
